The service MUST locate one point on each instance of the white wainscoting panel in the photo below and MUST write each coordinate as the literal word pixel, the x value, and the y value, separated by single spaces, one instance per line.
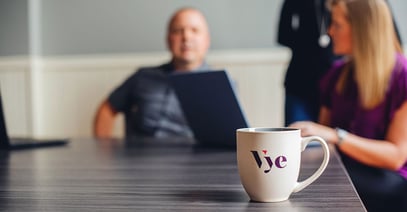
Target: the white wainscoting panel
pixel 74 86
pixel 14 87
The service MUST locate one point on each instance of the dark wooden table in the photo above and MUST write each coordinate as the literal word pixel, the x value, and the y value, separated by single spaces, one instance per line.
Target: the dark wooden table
pixel 113 175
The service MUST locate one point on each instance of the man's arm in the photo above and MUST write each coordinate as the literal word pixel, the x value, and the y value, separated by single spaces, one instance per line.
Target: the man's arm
pixel 104 120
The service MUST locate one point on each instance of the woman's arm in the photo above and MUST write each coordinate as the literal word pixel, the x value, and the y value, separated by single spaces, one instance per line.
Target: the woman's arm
pixel 389 155
pixel 324 116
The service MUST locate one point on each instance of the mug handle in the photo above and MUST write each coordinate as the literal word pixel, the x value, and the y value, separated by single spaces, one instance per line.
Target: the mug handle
pixel 304 142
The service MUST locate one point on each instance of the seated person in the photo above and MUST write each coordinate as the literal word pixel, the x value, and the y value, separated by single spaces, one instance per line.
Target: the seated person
pixel 146 98
pixel 364 103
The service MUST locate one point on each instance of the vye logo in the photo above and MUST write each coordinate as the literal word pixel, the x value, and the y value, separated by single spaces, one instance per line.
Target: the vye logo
pixel 280 161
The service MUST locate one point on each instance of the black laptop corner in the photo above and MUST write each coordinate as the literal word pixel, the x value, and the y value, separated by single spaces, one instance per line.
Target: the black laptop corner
pixel 23 143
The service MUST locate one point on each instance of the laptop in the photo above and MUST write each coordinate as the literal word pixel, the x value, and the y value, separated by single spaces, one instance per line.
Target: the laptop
pixel 210 106
pixel 23 143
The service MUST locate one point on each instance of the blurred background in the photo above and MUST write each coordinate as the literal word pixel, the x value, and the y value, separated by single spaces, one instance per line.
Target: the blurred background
pixel 60 58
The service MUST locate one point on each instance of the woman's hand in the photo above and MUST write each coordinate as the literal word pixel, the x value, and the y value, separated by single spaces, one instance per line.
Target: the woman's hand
pixel 309 128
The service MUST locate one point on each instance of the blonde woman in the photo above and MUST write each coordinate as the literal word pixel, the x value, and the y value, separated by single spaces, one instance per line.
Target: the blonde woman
pixel 364 103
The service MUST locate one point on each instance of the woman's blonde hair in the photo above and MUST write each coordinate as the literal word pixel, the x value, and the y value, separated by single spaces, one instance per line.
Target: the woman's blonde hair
pixel 375 45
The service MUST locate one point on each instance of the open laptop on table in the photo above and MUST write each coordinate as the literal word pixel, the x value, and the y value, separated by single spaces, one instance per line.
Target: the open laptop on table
pixel 22 143
pixel 210 105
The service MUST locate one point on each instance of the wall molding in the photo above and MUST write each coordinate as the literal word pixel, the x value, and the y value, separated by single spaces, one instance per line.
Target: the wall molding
pixel 109 61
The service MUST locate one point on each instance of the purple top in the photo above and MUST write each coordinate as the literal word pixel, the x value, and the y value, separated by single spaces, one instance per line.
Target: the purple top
pixel 347 112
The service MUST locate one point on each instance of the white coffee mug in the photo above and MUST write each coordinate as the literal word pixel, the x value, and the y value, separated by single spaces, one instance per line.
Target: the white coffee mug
pixel 269 162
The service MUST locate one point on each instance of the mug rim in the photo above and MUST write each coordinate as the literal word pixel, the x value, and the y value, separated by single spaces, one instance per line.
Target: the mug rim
pixel 268 129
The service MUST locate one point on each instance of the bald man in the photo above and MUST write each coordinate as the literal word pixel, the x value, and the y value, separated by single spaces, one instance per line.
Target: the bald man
pixel 146 97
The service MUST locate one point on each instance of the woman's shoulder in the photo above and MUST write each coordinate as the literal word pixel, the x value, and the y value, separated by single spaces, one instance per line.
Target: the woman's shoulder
pixel 401 62
pixel 333 73
pixel 399 75
pixel 339 63
pixel 400 68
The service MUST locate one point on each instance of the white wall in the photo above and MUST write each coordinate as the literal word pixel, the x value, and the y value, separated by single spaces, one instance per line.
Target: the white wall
pixel 72 87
